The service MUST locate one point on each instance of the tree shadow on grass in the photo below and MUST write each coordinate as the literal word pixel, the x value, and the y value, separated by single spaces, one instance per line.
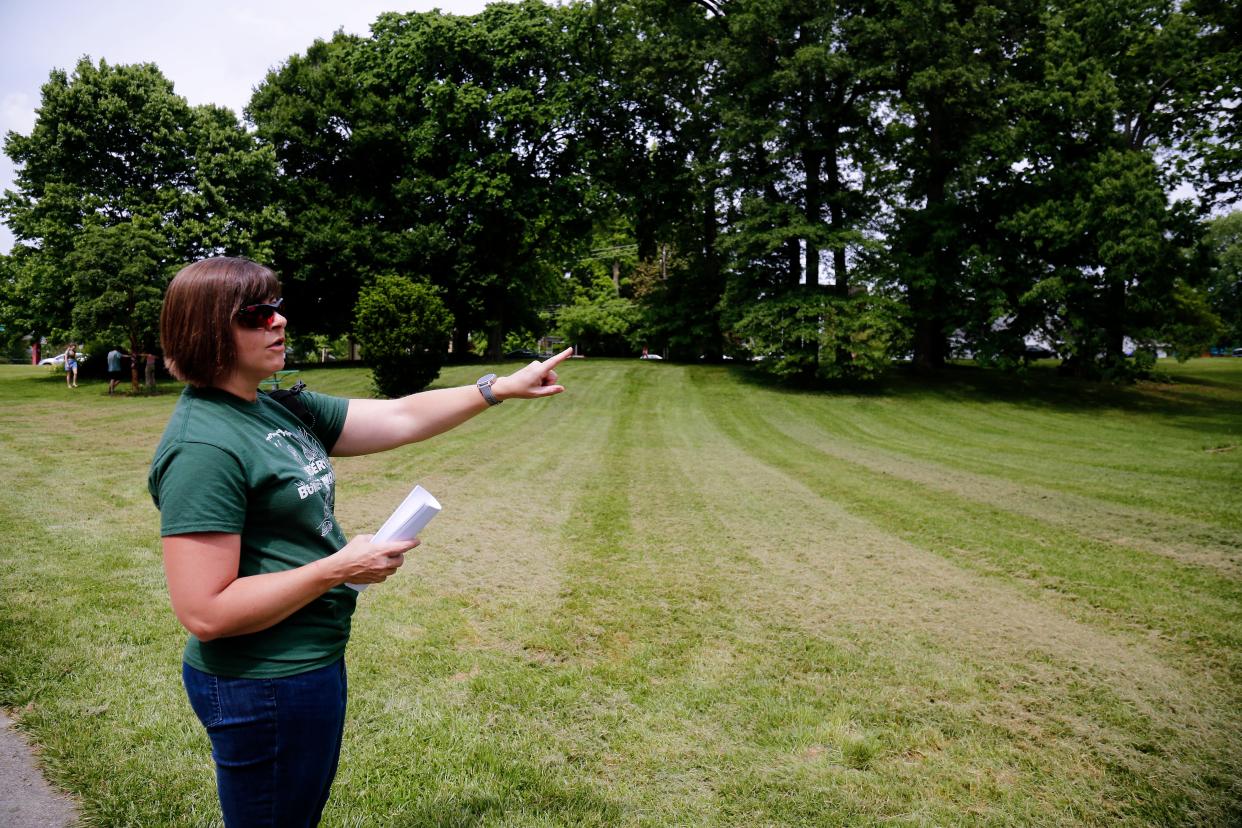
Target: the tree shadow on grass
pixel 1180 398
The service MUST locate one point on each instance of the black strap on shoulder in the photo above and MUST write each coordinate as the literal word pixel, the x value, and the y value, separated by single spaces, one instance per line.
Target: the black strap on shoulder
pixel 288 397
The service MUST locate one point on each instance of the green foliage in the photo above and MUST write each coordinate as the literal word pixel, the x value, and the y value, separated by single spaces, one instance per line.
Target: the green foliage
pixel 119 276
pixel 952 73
pixel 316 347
pixel 817 335
pixel 109 143
pixel 28 305
pixel 680 304
pixel 1210 82
pixel 794 118
pixel 599 322
pixel 1003 170
pixel 440 145
pixel 1116 254
pixel 403 328
pixel 329 241
pixel 1188 327
pixel 1224 285
pixel 1118 84
pixel 113 146
pixel 661 157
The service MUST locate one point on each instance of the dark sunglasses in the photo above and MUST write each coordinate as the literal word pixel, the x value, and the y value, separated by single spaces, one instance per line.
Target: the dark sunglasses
pixel 259 316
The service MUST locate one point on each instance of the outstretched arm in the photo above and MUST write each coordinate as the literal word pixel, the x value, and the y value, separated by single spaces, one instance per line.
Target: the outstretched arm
pixel 379 425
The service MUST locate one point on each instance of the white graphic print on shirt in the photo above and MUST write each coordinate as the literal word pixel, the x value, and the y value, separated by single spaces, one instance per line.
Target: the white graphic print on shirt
pixel 308 453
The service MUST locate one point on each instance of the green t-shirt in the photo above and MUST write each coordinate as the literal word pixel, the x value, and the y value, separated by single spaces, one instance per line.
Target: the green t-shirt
pixel 254 469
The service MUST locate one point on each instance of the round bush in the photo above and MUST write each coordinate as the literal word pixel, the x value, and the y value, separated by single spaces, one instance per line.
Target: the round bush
pixel 403 328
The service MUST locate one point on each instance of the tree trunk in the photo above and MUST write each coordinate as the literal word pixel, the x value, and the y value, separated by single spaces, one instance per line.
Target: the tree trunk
pixel 133 361
pixel 836 220
pixel 495 339
pixel 812 162
pixel 929 345
pixel 1115 325
pixel 929 302
pixel 713 285
pixel 461 342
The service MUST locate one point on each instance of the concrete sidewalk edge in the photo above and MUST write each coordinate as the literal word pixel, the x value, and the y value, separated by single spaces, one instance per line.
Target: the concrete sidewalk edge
pixel 26 798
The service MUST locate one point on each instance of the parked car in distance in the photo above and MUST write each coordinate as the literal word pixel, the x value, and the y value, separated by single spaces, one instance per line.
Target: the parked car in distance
pixel 651 356
pixel 521 353
pixel 59 359
pixel 1237 352
pixel 1038 352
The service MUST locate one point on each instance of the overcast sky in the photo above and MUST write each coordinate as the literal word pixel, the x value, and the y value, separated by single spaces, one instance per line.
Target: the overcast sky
pixel 213 52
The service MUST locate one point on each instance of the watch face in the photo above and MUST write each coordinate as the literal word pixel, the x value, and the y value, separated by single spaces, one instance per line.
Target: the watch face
pixel 485 388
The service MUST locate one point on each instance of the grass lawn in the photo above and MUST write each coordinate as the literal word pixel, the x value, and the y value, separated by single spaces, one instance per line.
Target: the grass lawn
pixel 678 596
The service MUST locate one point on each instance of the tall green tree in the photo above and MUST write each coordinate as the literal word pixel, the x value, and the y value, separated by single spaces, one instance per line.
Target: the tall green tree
pixel 334 176
pixel 443 145
pixel 119 274
pixel 113 145
pixel 658 155
pixel 795 117
pixel 798 135
pixel 1120 87
pixel 30 303
pixel 1224 286
pixel 1215 139
pixel 949 71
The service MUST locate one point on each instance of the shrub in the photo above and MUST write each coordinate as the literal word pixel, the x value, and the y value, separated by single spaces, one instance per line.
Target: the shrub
pixel 403 329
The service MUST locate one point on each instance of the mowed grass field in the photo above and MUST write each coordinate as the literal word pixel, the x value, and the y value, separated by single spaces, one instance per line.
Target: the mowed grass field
pixel 677 596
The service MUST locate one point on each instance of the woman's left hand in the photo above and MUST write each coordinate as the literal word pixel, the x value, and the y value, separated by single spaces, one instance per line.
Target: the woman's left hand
pixel 535 380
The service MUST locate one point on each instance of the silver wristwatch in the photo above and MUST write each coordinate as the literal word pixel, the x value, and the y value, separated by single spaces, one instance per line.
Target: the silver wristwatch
pixel 484 384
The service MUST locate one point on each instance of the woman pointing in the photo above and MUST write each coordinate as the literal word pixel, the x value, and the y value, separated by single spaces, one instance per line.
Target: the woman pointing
pixel 255 560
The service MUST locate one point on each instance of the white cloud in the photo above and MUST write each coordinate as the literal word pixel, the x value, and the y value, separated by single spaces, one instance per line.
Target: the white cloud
pixel 17 112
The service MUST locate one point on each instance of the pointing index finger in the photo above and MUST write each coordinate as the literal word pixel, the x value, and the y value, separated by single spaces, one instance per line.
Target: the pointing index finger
pixel 553 361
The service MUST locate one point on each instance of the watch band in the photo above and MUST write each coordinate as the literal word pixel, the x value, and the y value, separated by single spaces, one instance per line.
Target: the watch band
pixel 484 384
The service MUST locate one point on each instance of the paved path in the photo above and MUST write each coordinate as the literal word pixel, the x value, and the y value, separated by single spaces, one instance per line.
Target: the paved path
pixel 26 800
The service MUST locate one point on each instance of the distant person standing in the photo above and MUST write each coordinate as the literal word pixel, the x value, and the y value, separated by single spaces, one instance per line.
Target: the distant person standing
pixel 71 365
pixel 115 374
pixel 150 371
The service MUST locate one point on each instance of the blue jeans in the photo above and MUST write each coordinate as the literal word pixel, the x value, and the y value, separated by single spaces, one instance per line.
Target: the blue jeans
pixel 276 742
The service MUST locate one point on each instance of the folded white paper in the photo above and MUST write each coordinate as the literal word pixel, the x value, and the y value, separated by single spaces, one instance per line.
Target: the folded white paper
pixel 407 520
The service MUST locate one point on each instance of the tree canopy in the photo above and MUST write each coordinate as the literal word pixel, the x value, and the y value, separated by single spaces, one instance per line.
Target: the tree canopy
pixel 828 185
pixel 114 147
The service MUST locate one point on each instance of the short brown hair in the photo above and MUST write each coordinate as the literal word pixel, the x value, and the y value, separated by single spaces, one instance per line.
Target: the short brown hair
pixel 196 323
